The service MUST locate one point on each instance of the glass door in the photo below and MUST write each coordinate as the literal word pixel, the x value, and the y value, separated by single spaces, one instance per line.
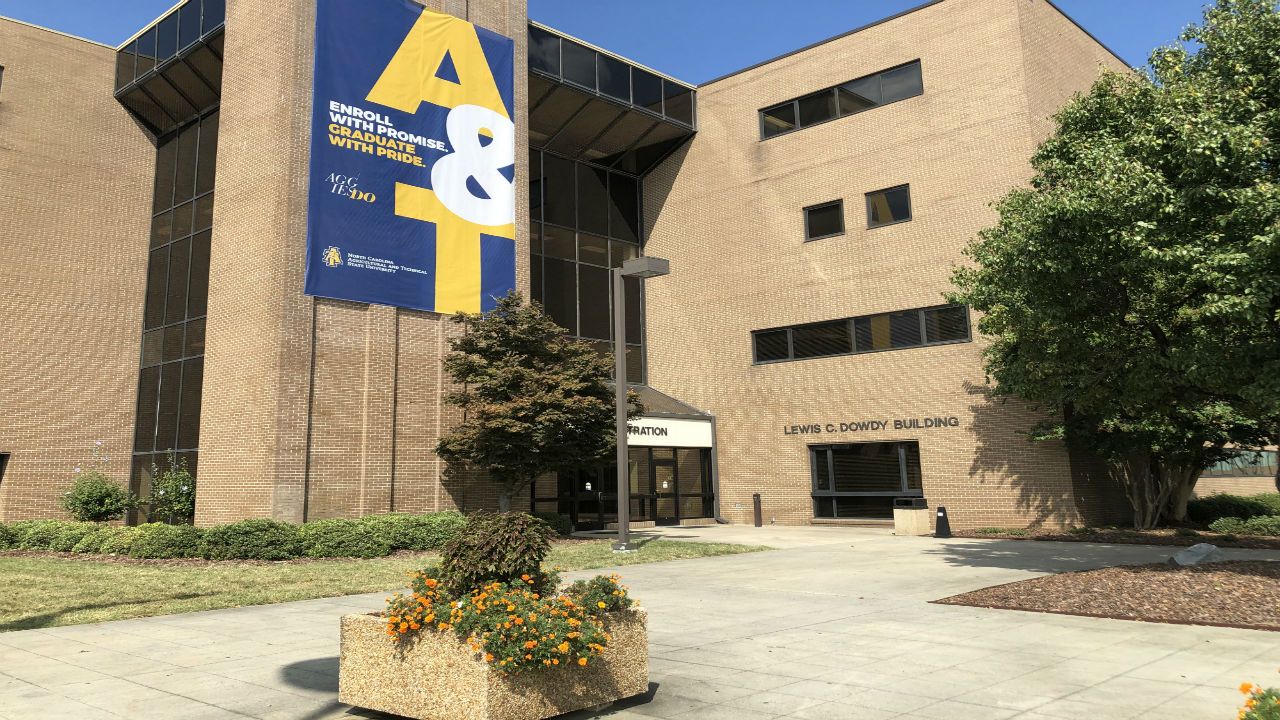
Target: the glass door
pixel 666 509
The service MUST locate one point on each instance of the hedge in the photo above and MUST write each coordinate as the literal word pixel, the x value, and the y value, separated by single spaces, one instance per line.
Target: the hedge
pixel 1267 525
pixel 257 539
pixel 1221 505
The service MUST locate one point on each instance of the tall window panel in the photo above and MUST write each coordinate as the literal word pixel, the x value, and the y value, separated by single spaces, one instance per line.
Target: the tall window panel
pixel 171 373
pixel 585 220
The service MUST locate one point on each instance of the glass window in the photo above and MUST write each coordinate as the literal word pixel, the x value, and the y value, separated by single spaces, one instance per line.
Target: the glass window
pixel 646 90
pixel 535 185
pixel 176 297
pixel 215 12
pixel 165 156
pixel 167 38
pixel 152 347
pixel 161 229
pixel 615 77
pixel 861 480
pixel 167 407
pixel 859 95
pixel 171 346
pixel 579 64
pixel 1250 464
pixel 157 274
pixel 593 250
pixel 901 83
pixel 193 341
pixel 560 293
pixel 824 220
pixel 125 60
pixel 886 207
pixel 946 324
pixel 146 52
pixel 593 199
pixel 593 302
pixel 816 108
pixel 544 51
pixel 635 311
pixel 189 24
pixel 831 338
pixel 624 207
pixel 198 292
pixel 203 218
pixel 144 437
pixel 777 120
pixel 185 176
pixel 678 102
pixel 535 279
pixel 182 220
pixel 559 242
pixel 189 404
pixel 866 467
pixel 772 345
pixel 620 252
pixel 558 195
pixel 206 162
pixel 904 329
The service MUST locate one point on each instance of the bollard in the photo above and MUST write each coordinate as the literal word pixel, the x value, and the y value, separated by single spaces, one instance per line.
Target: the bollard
pixel 943 528
pixel 755 501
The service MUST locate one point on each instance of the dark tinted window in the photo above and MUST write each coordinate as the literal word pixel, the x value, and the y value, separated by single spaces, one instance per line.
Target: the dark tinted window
pixel 189 24
pixel 544 51
pixel 167 38
pixel 146 52
pixel 635 310
pixel 861 480
pixel 593 199
pixel 816 108
pixel 615 77
pixel 771 345
pixel 946 324
pixel 868 467
pixel 678 102
pixel 593 250
pixel 593 302
pixel 579 64
pixel 214 13
pixel 559 242
pixel 125 60
pixel 901 83
pixel 859 95
pixel 904 329
pixel 558 195
pixel 822 339
pixel 560 299
pixel 646 89
pixel 824 220
pixel 886 207
pixel 777 120
pixel 624 207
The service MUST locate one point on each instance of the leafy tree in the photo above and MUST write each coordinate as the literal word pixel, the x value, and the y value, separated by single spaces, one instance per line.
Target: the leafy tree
pixel 534 400
pixel 93 496
pixel 173 492
pixel 1133 291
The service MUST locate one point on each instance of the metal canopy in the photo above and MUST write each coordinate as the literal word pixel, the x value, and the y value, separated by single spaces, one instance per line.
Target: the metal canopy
pixel 171 71
pixel 588 104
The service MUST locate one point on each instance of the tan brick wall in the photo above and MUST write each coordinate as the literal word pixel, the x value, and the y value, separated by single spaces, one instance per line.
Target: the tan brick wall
pixel 1236 486
pixel 75 196
pixel 727 213
pixel 318 407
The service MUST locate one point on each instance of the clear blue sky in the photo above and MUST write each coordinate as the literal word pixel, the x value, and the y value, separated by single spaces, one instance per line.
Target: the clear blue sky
pixel 694 40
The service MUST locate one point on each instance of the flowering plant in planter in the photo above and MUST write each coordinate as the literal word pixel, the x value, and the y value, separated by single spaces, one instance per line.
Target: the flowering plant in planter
pixel 1260 703
pixel 510 624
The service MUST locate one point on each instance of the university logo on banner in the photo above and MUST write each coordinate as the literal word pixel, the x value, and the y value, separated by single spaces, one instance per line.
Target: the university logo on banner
pixel 412 188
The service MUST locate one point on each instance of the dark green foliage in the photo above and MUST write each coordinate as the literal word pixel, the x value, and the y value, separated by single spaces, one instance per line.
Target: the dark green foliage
pixel 173 493
pixel 1133 291
pixel 160 540
pixel 1266 525
pixel 534 400
pixel 39 534
pixel 499 547
pixel 94 541
pixel 404 531
pixel 1207 509
pixel 8 537
pixel 95 498
pixel 119 542
pixel 257 539
pixel 336 537
pixel 562 524
pixel 600 594
pixel 69 534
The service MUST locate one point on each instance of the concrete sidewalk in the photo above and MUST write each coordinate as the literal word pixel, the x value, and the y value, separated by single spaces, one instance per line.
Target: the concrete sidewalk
pixel 839 629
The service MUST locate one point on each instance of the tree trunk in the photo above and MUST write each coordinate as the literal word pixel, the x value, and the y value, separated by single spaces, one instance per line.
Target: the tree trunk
pixel 504 500
pixel 1185 485
pixel 1147 483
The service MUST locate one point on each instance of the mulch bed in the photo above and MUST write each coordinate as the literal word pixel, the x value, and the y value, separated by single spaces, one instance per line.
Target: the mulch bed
pixel 1242 594
pixel 1126 536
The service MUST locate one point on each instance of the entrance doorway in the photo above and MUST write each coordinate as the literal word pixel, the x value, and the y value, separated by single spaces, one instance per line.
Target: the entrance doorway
pixel 668 486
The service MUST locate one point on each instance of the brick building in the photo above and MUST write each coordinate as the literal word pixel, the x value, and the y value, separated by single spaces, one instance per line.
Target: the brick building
pixel 812 207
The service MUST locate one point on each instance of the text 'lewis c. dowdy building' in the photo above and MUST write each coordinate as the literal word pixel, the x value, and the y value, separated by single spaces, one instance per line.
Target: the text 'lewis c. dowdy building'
pixel 239 237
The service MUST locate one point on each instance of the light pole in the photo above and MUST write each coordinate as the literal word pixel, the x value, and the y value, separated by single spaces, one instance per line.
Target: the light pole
pixel 640 268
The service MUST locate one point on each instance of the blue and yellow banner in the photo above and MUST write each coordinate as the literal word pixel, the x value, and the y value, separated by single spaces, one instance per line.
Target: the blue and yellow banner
pixel 412 192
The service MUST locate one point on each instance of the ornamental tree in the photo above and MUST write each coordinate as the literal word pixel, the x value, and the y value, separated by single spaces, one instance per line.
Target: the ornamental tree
pixel 1133 290
pixel 534 400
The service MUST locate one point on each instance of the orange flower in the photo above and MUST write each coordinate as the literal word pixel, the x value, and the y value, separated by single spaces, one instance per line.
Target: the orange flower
pixel 1246 688
pixel 582 661
pixel 555 661
pixel 600 605
pixel 531 645
pixel 488 657
pixel 563 647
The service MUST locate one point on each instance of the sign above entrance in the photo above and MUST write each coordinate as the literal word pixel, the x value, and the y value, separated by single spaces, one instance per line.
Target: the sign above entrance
pixel 925 423
pixel 669 432
pixel 412 187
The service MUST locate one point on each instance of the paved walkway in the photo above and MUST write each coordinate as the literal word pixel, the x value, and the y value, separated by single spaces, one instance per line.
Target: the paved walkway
pixel 838 629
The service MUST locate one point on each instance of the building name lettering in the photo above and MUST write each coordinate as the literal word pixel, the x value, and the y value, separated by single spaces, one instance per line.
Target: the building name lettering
pixel 872 425
pixel 654 431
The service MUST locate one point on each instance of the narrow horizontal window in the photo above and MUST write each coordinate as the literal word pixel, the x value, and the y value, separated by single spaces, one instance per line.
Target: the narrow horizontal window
pixel 886 207
pixel 855 96
pixel 824 220
pixel 946 324
pixel 830 338
pixel 869 333
pixel 772 345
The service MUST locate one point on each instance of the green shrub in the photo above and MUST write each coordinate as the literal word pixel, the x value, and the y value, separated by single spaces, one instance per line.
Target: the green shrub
pixel 95 498
pixel 497 548
pixel 93 542
pixel 160 540
pixel 119 542
pixel 66 536
pixel 562 524
pixel 337 537
pixel 600 594
pixel 173 492
pixel 8 537
pixel 39 534
pixel 257 539
pixel 1221 505
pixel 1265 525
pixel 404 531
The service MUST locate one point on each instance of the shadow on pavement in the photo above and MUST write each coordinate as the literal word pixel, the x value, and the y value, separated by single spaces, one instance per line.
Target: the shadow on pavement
pixel 44 620
pixel 319 674
pixel 1044 557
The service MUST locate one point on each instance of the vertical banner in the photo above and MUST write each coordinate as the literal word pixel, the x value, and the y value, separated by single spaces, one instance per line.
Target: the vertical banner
pixel 412 188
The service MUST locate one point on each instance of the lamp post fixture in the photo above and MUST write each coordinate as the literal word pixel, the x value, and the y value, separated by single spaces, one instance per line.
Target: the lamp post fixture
pixel 640 268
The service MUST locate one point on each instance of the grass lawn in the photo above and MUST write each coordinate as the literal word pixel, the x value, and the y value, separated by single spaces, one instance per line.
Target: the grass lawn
pixel 40 591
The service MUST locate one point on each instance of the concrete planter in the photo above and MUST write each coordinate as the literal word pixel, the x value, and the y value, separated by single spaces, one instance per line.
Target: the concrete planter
pixel 437 677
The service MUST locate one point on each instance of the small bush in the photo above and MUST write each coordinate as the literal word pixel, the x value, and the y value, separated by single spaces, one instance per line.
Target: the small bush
pixel 562 524
pixel 94 541
pixel 173 492
pixel 1260 703
pixel 159 540
pixel 257 539
pixel 404 531
pixel 39 534
pixel 336 537
pixel 497 548
pixel 95 498
pixel 601 594
pixel 119 542
pixel 1266 525
pixel 8 538
pixel 66 537
pixel 1221 505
